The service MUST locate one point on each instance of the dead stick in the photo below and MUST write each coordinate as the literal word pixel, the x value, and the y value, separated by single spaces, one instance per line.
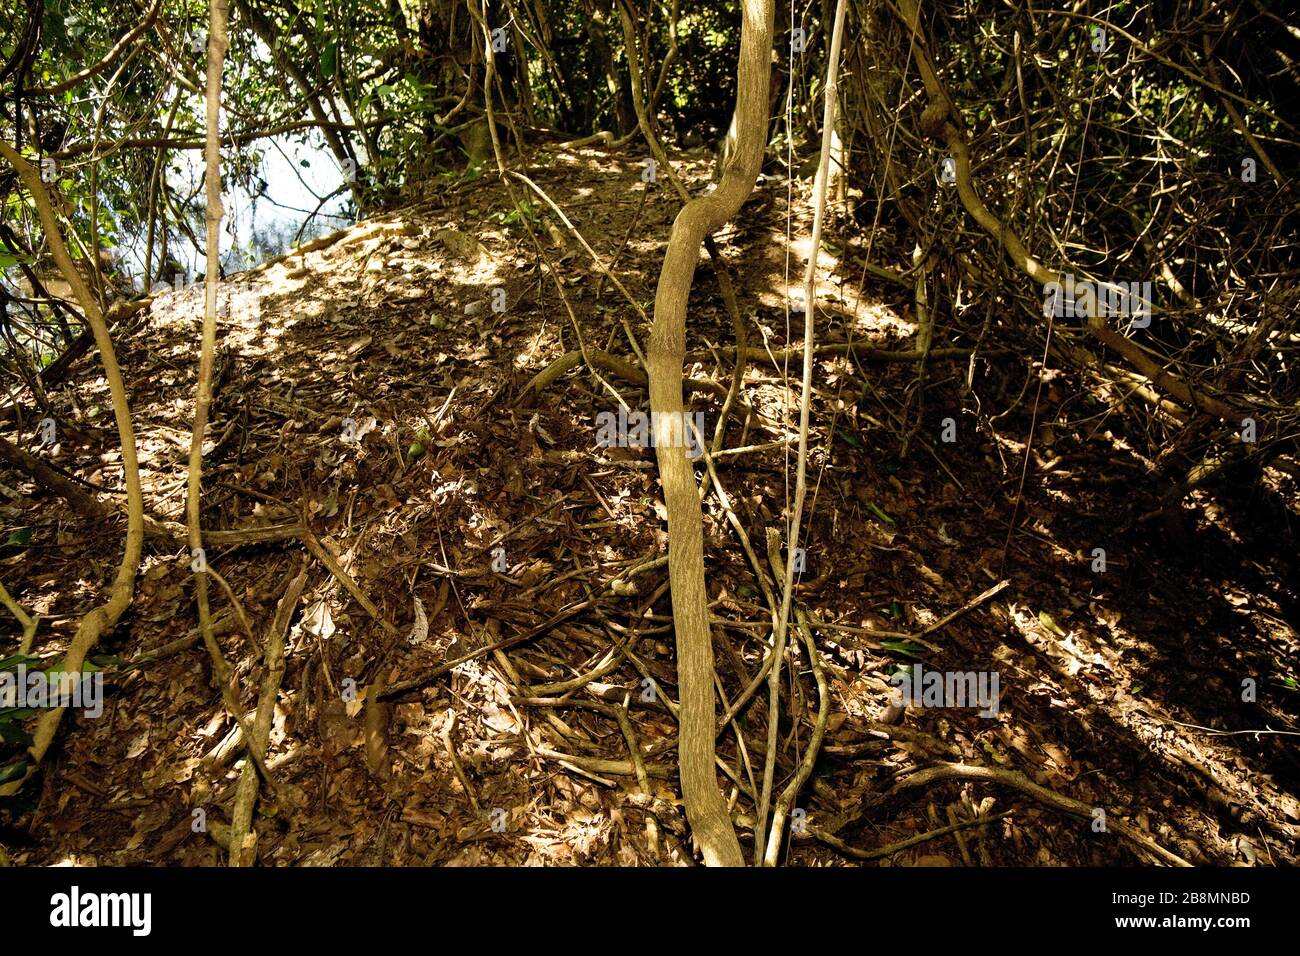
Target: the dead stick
pixel 1017 780
pixel 970 606
pixel 449 728
pixel 433 674
pixel 892 848
pixel 246 794
pixel 345 579
pixel 28 622
pixel 50 477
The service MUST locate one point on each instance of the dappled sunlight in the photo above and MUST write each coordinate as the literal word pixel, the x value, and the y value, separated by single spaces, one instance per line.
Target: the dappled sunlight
pixel 1038 539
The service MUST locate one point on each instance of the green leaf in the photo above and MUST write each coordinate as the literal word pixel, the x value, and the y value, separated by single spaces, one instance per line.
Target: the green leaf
pixel 902 647
pixel 13 771
pixel 18 538
pixel 1045 619
pixel 12 662
pixel 880 514
pixel 13 733
pixel 329 58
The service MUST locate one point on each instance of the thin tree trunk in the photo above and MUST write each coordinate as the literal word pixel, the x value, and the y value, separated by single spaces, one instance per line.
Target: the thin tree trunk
pixel 801 473
pixel 218 41
pixel 103 618
pixel 705 808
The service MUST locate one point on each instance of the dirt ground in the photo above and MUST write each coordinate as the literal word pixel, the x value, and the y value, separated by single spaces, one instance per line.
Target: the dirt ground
pixel 1128 690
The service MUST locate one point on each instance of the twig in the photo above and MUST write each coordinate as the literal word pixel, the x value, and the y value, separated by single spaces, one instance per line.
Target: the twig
pixel 1017 780
pixel 345 579
pixel 242 850
pixel 805 402
pixel 594 765
pixel 958 836
pixel 595 257
pixel 791 792
pixel 234 603
pixel 26 620
pixel 433 674
pixel 892 848
pixel 966 608
pixel 1221 733
pixel 219 626
pixel 448 728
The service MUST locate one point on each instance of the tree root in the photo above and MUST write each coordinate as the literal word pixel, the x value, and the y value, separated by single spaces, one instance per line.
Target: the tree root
pixel 891 848
pixel 1050 798
pixel 242 851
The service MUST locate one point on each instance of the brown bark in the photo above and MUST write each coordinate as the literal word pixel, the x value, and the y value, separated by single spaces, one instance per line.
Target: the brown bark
pixel 49 477
pixel 941 121
pixel 705 808
pixel 218 41
pixel 103 618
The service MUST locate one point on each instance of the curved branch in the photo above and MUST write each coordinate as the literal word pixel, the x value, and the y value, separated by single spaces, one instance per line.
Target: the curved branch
pixel 239 139
pixel 109 59
pixel 942 121
pixel 103 618
pixel 705 808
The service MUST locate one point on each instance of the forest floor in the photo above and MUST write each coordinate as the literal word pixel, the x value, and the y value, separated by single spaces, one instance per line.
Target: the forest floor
pixel 1122 690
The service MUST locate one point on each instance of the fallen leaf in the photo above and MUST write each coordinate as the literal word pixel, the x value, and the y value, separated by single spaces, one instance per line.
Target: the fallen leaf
pixel 319 621
pixel 419 629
